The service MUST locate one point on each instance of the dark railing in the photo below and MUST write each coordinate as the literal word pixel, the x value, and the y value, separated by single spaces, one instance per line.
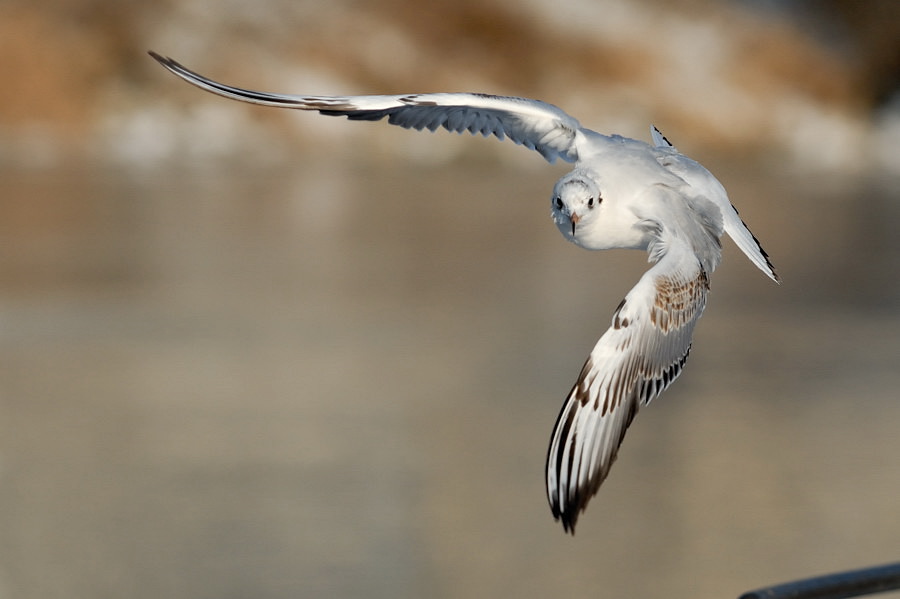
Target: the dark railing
pixel 855 583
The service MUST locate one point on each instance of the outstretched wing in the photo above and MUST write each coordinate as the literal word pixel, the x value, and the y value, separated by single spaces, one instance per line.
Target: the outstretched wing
pixel 536 125
pixel 634 361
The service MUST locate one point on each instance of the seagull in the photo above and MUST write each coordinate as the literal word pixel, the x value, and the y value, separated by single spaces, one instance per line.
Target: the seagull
pixel 622 193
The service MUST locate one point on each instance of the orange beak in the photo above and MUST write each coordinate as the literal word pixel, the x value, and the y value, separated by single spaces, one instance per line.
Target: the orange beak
pixel 574 217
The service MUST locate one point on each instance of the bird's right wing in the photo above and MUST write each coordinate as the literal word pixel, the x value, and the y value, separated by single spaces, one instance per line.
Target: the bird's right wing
pixel 536 125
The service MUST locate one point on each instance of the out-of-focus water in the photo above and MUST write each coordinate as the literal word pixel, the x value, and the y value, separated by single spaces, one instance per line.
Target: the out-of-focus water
pixel 340 382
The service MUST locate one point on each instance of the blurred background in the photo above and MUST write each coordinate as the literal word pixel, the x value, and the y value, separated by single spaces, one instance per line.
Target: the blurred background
pixel 253 353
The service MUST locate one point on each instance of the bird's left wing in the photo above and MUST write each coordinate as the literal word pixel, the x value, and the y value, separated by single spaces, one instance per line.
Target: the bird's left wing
pixel 634 361
pixel 536 125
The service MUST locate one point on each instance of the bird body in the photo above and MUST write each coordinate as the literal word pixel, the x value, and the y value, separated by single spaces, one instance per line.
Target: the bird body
pixel 621 193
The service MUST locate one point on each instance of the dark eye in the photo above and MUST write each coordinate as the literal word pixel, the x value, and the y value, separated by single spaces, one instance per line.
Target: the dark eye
pixel 559 203
pixel 590 202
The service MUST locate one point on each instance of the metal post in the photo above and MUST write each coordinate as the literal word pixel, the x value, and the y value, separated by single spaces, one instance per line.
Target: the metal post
pixel 854 583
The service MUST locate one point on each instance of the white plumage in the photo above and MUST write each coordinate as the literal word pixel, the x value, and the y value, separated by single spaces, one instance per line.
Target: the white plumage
pixel 621 193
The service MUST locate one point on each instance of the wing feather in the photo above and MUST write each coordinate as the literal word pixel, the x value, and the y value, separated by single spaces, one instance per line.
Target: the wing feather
pixel 537 125
pixel 639 356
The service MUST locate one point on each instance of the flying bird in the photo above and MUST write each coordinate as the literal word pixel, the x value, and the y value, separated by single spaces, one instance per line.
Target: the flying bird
pixel 621 193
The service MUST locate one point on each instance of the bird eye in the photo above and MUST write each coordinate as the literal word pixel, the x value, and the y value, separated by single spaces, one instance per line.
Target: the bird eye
pixel 559 203
pixel 590 202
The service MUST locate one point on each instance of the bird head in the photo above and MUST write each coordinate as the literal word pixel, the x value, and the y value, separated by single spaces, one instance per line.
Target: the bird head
pixel 575 202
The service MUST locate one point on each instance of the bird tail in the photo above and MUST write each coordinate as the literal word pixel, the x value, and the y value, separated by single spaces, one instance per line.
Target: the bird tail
pixel 749 244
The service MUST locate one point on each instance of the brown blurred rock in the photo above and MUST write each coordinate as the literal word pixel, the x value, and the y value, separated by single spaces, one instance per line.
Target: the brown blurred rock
pixel 69 66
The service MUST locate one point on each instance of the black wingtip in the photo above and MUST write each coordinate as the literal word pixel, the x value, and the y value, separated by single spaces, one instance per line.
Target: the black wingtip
pixel 165 61
pixel 169 63
pixel 159 58
pixel 567 519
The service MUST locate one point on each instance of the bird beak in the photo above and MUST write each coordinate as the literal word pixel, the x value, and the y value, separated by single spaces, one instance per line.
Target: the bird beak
pixel 574 218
